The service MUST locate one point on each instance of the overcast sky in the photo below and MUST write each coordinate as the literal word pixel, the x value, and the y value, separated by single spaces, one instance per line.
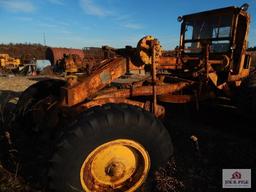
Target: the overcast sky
pixel 85 23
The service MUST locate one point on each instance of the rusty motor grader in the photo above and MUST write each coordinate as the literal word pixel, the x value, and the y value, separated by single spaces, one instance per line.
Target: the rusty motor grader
pixel 100 132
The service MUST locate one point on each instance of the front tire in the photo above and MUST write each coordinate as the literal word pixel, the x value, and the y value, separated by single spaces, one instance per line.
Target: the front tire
pixel 99 126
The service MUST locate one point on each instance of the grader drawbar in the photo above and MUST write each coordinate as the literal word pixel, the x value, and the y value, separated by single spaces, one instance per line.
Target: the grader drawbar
pixel 100 132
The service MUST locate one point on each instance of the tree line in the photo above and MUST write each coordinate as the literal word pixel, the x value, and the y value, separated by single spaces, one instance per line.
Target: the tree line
pixel 26 52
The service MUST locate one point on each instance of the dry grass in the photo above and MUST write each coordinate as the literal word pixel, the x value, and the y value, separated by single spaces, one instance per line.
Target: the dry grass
pixel 10 183
pixel 15 83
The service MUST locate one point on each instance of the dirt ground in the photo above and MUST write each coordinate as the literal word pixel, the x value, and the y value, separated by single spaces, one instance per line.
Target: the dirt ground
pixel 226 139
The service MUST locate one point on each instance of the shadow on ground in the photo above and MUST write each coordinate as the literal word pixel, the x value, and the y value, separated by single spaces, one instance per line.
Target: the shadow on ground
pixel 226 139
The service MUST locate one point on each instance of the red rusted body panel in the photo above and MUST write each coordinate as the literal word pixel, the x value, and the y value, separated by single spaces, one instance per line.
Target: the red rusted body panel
pixel 55 54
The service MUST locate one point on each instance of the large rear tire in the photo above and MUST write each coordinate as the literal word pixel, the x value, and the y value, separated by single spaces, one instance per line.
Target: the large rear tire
pixel 99 126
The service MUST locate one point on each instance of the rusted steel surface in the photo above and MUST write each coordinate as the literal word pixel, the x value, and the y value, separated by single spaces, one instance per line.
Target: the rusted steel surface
pixel 169 98
pixel 244 73
pixel 253 56
pixel 170 60
pixel 173 63
pixel 131 80
pixel 146 90
pixel 55 54
pixel 159 110
pixel 99 102
pixel 88 86
pixel 168 63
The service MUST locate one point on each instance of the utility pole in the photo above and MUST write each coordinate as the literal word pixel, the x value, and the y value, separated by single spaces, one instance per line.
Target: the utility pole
pixel 44 39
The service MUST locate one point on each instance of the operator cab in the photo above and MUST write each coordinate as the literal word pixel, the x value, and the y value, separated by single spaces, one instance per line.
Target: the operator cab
pixel 224 30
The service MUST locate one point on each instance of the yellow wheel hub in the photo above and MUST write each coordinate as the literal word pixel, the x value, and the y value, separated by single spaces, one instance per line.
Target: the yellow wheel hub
pixel 119 165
